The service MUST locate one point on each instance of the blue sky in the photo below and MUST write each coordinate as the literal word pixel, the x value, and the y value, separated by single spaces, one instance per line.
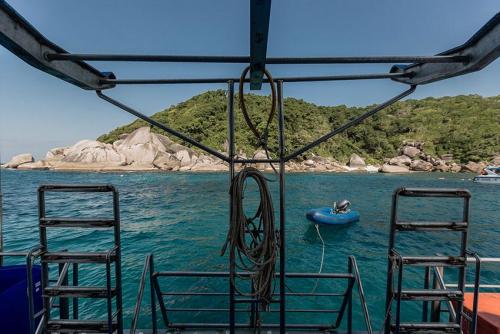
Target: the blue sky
pixel 38 111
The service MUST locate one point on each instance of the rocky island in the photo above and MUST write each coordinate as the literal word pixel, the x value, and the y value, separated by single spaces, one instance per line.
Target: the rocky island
pixel 143 150
pixel 449 134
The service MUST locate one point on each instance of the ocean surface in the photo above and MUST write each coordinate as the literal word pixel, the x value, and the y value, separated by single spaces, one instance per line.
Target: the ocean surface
pixel 183 220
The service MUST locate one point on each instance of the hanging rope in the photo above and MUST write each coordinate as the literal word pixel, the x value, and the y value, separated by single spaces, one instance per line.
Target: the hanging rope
pixel 322 257
pixel 253 239
pixel 394 266
pixel 1 214
pixel 262 138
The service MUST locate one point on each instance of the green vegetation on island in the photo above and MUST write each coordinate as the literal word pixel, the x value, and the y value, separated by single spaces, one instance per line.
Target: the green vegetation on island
pixel 466 126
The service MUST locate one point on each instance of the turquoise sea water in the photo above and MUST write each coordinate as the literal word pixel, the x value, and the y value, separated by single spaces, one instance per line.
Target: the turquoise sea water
pixel 182 219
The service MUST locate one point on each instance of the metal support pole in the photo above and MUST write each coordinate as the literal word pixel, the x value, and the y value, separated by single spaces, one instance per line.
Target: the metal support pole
pixel 30 292
pixel 390 262
pixel 436 305
pixel 63 302
pixel 282 243
pixel 75 283
pixel 173 81
pixel 246 59
pixel 425 304
pixel 1 222
pixel 118 262
pixel 153 296
pixel 398 300
pixel 43 249
pixel 477 278
pixel 230 140
pixel 463 253
pixel 349 302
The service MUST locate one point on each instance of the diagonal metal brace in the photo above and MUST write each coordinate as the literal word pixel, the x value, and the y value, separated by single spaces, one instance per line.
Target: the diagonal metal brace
pixel 480 50
pixel 162 126
pixel 21 38
pixel 351 123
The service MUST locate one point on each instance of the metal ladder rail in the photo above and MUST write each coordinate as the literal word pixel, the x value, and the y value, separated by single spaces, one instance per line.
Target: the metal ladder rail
pixel 477 286
pixel 75 292
pixel 395 260
pixel 352 277
pixel 30 257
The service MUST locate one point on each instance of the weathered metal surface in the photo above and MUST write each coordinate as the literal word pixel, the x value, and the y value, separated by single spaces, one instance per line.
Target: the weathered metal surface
pixel 260 14
pixel 21 38
pixel 246 59
pixel 396 263
pixel 113 321
pixel 369 76
pixel 480 50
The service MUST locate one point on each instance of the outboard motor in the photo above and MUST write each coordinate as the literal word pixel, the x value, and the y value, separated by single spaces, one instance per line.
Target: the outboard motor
pixel 343 206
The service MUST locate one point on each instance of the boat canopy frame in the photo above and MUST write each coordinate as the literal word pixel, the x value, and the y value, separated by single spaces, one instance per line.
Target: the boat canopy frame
pixel 27 43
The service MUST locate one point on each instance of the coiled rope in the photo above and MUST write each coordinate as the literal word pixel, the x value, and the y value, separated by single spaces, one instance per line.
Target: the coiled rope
pixel 253 239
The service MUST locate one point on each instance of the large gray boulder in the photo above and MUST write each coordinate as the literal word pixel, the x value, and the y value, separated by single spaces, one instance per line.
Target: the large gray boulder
pixel 309 163
pixel 166 161
pixel 386 168
pixel 455 168
pixel 356 161
pixel 57 153
pixel 473 167
pixel 442 167
pixel 402 160
pixel 207 163
pixel 140 148
pixel 185 157
pixel 19 159
pixel 37 165
pixel 421 166
pixel 410 151
pixel 91 152
pixel 260 155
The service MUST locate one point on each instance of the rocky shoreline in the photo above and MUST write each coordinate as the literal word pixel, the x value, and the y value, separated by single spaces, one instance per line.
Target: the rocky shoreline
pixel 143 150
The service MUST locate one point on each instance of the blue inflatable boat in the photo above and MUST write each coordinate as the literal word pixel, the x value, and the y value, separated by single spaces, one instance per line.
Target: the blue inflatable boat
pixel 326 216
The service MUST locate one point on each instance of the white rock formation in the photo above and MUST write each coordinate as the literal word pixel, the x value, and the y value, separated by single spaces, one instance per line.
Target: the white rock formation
pixel 386 168
pixel 356 161
pixel 57 153
pixel 140 148
pixel 37 165
pixel 166 161
pixel 20 159
pixel 261 154
pixel 185 157
pixel 92 151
